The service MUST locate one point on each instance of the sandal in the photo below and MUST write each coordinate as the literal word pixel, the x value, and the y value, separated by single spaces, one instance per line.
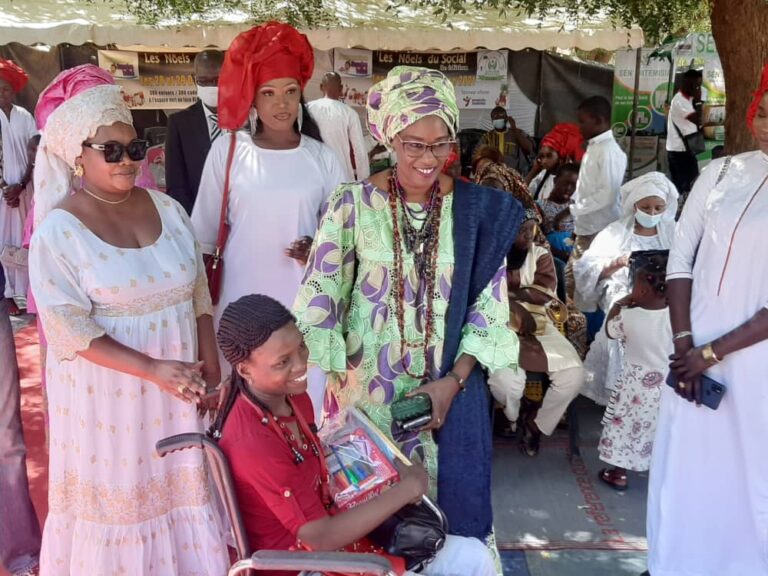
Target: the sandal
pixel 531 439
pixel 616 480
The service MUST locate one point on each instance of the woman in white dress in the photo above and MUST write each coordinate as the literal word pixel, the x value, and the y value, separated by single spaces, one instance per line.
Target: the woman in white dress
pixel 602 274
pixel 122 295
pixel 708 493
pixel 281 175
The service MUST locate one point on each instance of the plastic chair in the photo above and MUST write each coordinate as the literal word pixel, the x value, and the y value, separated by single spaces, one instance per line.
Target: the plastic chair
pixel 267 560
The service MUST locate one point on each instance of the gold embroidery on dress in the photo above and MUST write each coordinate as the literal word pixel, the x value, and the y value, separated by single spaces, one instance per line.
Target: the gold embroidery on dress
pixel 202 296
pixel 115 504
pixel 147 304
pixel 69 330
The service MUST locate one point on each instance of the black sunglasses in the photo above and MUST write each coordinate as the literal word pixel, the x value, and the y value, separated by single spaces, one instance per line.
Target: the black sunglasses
pixel 113 151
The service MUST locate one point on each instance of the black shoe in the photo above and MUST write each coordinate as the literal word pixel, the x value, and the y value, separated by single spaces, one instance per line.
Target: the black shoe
pixel 531 439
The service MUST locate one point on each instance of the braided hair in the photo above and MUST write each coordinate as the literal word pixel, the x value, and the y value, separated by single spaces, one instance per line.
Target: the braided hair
pixel 245 325
pixel 652 264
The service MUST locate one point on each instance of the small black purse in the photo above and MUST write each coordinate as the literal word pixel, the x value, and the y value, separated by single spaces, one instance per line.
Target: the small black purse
pixel 415 533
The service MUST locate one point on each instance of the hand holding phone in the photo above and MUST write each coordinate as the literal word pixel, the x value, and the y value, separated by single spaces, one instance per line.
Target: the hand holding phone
pixel 712 392
pixel 411 412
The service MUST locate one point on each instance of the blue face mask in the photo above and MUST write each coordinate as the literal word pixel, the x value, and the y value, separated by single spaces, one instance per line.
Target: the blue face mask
pixel 647 220
pixel 500 124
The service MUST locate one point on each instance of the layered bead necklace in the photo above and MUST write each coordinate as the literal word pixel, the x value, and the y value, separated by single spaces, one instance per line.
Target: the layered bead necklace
pixel 422 242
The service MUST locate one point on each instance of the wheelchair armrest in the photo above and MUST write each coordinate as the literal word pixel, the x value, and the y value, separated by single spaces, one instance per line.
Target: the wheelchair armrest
pixel 179 442
pixel 347 562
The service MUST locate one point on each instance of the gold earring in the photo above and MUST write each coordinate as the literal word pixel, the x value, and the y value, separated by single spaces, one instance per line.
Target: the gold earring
pixel 79 170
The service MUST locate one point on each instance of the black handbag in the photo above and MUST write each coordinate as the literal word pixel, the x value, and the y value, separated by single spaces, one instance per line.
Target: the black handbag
pixel 694 143
pixel 416 533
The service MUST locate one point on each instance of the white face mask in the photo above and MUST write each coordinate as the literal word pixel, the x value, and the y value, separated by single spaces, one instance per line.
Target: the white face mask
pixel 500 124
pixel 209 95
pixel 648 220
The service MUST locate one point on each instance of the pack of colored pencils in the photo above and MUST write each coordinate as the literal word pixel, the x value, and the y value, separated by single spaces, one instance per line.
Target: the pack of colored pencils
pixel 359 463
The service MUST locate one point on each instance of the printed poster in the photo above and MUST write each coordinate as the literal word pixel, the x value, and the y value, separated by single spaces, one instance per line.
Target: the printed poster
pixel 152 80
pixel 480 78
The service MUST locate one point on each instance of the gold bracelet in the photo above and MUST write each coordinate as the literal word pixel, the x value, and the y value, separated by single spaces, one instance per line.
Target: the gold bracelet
pixel 708 353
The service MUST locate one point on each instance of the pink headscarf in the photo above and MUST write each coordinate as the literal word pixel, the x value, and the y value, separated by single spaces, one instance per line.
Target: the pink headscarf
pixel 66 85
pixel 70 110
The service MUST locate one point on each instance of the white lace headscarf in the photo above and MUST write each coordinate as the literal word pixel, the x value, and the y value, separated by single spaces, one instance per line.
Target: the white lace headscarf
pixel 71 124
pixel 649 184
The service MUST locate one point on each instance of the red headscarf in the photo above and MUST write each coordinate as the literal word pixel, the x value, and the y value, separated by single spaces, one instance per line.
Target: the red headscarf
pixel 13 74
pixel 758 96
pixel 567 141
pixel 273 50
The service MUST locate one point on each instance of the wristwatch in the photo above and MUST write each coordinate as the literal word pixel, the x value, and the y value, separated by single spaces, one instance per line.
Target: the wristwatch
pixel 459 379
pixel 708 354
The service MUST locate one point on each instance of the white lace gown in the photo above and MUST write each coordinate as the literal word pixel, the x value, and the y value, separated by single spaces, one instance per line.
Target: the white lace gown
pixel 115 507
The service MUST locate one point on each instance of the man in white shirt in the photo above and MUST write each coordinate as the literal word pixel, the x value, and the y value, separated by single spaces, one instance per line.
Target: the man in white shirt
pixel 683 120
pixel 191 131
pixel 17 126
pixel 596 202
pixel 340 128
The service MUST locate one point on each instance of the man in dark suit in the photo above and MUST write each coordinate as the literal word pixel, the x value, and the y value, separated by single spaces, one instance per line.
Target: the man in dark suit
pixel 191 131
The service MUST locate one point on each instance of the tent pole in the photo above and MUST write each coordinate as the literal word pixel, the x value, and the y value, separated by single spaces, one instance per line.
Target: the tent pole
pixel 638 62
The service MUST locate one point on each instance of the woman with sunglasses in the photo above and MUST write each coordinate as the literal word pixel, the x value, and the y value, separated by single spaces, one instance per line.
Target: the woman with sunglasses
pixel 405 292
pixel 122 296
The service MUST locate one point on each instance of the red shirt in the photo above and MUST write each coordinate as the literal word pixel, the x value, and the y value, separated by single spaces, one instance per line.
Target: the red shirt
pixel 276 496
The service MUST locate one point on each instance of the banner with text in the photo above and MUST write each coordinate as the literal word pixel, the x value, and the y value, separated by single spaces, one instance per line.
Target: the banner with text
pixel 152 80
pixel 480 78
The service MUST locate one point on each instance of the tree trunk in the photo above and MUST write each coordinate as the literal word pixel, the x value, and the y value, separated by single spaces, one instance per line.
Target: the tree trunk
pixel 739 28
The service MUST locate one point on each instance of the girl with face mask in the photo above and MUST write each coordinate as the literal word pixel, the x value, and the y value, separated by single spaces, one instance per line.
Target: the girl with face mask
pixel 649 205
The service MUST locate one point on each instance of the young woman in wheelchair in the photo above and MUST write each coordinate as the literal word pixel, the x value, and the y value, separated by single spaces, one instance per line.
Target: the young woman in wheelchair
pixel 269 436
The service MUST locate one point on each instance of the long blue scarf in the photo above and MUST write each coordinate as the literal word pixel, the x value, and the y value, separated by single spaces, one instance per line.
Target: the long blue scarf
pixel 485 224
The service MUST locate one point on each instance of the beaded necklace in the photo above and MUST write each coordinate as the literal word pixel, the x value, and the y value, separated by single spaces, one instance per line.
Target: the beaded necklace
pixel 423 244
pixel 305 439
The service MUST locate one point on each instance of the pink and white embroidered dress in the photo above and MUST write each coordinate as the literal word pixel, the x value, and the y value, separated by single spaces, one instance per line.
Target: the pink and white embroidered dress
pixel 115 506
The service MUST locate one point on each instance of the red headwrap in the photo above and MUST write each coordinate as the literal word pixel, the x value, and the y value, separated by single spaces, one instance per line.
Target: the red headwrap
pixel 758 96
pixel 273 50
pixel 13 74
pixel 567 141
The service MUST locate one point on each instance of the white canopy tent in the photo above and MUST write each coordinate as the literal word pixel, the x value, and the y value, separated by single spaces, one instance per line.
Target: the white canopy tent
pixel 361 24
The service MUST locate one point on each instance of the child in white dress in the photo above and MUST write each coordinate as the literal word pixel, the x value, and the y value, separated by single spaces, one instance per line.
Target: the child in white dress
pixel 641 322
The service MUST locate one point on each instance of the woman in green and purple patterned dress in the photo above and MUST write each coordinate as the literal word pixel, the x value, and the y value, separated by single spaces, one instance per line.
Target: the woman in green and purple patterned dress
pixel 405 289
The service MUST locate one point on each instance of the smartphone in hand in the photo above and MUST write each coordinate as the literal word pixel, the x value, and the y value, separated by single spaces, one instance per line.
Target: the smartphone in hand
pixel 712 391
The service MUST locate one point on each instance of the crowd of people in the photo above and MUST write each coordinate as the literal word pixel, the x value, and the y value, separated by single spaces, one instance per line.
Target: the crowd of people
pixel 279 283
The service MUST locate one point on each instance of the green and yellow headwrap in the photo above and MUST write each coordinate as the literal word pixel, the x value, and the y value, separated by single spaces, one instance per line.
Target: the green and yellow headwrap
pixel 407 95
